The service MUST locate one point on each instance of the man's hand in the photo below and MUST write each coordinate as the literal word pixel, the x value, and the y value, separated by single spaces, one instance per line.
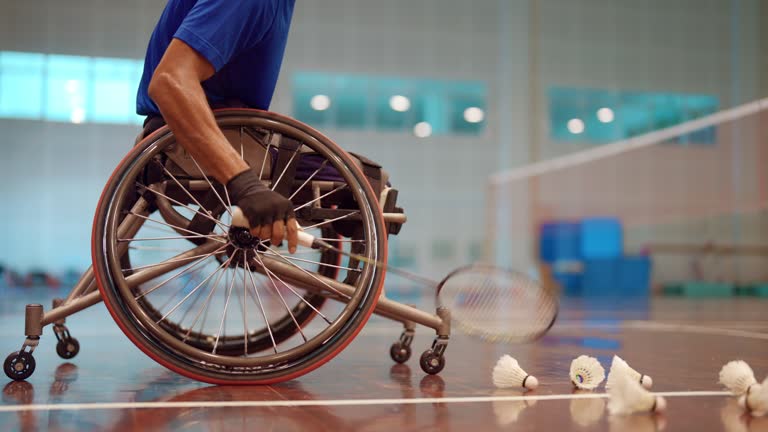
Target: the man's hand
pixel 270 215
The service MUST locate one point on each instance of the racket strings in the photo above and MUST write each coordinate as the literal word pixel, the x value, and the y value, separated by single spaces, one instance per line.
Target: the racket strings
pixel 496 304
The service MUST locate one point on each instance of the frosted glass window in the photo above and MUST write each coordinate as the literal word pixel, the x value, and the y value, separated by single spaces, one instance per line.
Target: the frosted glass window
pixel 601 116
pixel 390 103
pixel 114 90
pixel 68 86
pixel 21 85
pixel 71 89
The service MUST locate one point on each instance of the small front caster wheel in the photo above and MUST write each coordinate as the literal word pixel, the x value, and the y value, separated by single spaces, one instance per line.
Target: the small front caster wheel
pixel 431 362
pixel 19 365
pixel 67 348
pixel 400 353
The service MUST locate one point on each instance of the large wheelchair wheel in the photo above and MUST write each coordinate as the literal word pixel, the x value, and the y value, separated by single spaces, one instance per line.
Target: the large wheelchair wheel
pixel 208 300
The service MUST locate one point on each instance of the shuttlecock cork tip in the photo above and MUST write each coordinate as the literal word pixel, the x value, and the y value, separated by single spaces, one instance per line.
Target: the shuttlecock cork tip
pixel 530 382
pixel 646 382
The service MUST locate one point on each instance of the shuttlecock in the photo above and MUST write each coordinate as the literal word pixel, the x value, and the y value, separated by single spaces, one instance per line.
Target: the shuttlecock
pixel 737 377
pixel 508 411
pixel 620 368
pixel 586 411
pixel 586 372
pixel 507 374
pixel 628 397
pixel 755 400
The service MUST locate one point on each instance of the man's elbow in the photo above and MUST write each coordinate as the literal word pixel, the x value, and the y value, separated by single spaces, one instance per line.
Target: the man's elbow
pixel 163 85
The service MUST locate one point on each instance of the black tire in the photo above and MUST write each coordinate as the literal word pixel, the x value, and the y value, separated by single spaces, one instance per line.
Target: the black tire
pixel 19 366
pixel 399 353
pixel 68 348
pixel 431 362
pixel 124 300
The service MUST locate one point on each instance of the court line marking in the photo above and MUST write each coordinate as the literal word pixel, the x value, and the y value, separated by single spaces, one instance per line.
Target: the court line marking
pixel 687 328
pixel 332 402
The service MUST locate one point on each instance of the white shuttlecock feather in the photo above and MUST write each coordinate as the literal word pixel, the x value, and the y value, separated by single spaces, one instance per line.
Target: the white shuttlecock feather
pixel 755 401
pixel 620 368
pixel 586 372
pixel 508 374
pixel 737 377
pixel 629 397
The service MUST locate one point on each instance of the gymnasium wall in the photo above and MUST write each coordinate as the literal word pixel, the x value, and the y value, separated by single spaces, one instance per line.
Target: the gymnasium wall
pixel 442 179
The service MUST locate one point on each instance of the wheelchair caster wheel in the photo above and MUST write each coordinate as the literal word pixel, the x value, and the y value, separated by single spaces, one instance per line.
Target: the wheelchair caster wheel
pixel 400 353
pixel 68 348
pixel 431 362
pixel 19 365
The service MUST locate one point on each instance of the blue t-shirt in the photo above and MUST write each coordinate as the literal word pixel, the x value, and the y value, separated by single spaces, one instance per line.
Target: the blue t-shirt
pixel 244 40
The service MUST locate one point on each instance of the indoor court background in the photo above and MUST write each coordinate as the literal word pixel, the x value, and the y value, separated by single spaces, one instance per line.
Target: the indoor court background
pixel 496 90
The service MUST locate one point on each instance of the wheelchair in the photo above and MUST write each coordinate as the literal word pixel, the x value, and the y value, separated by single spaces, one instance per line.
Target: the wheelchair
pixel 207 300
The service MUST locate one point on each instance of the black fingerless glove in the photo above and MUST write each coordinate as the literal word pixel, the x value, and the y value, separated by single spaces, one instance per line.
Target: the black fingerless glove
pixel 259 204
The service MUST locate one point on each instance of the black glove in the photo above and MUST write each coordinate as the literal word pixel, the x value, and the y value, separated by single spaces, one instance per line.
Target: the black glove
pixel 259 204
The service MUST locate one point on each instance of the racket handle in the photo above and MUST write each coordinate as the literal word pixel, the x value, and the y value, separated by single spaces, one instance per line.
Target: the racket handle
pixel 305 239
pixel 308 240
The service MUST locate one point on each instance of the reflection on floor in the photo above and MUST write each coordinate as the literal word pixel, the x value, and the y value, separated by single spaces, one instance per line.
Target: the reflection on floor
pixel 681 343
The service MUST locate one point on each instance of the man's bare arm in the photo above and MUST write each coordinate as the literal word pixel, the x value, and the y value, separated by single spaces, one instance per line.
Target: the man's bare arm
pixel 177 90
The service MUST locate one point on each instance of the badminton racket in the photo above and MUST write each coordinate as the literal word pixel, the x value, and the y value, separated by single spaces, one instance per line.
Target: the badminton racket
pixel 486 301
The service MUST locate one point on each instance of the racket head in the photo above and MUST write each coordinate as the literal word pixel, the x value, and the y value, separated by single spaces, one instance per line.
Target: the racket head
pixel 498 304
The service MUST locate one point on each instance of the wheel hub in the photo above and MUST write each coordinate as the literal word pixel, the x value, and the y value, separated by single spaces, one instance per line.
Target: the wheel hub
pixel 19 366
pixel 243 247
pixel 242 238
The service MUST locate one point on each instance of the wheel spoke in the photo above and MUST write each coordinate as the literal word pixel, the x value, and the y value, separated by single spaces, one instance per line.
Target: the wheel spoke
pixel 190 294
pixel 331 220
pixel 242 150
pixel 179 203
pixel 172 260
pixel 277 290
pixel 287 285
pixel 319 198
pixel 197 263
pixel 310 274
pixel 261 306
pixel 224 314
pixel 285 168
pixel 174 227
pixel 264 161
pixel 273 252
pixel 217 238
pixel 192 280
pixel 322 165
pixel 157 248
pixel 207 180
pixel 189 194
pixel 245 301
pixel 207 302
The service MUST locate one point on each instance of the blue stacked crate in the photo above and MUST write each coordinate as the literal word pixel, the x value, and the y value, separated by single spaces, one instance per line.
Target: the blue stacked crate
pixel 588 259
pixel 607 271
pixel 559 247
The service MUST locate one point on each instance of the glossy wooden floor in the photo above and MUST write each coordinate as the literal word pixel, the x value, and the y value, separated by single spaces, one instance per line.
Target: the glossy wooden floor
pixel 681 343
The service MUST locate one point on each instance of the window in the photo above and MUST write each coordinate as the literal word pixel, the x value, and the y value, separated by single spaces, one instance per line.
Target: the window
pixel 21 84
pixel 601 116
pixel 419 106
pixel 72 89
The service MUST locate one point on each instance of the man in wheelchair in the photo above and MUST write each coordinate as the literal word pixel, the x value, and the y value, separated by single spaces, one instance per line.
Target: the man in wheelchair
pixel 208 53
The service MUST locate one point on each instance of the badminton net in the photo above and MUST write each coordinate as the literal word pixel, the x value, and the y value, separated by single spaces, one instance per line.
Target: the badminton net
pixel 692 197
